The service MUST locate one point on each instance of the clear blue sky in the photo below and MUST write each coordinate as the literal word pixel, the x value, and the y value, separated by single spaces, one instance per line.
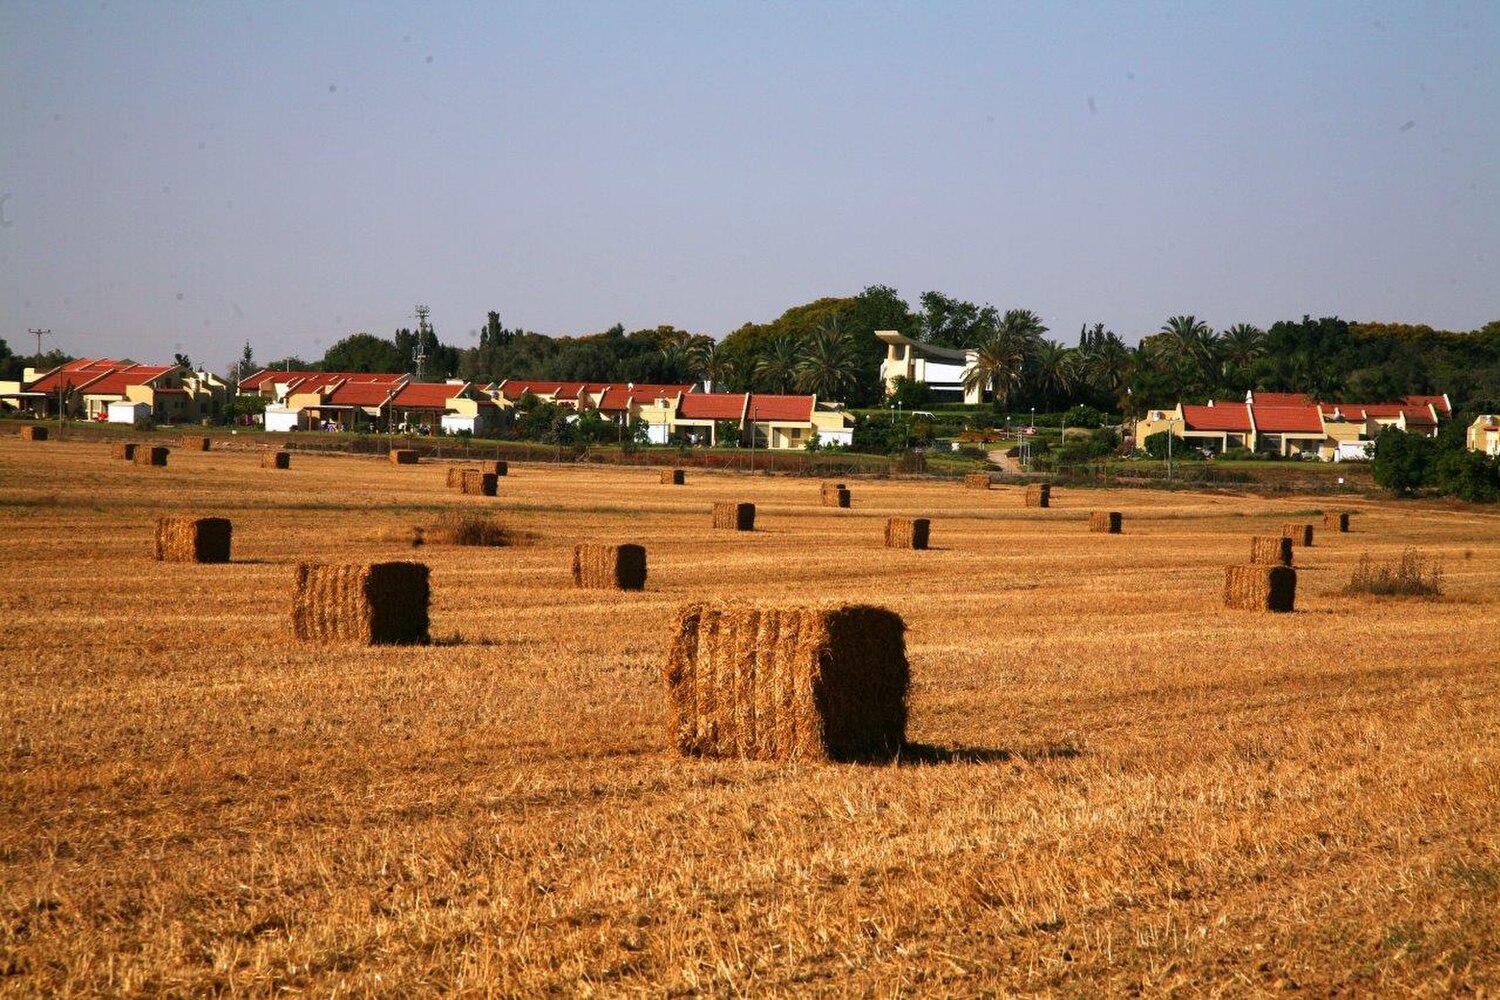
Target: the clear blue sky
pixel 189 176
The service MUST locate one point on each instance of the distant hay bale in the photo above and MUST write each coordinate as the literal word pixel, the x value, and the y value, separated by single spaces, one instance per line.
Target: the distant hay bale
pixel 456 476
pixel 609 567
pixel 403 456
pixel 1336 522
pixel 123 449
pixel 835 495
pixel 1260 588
pixel 673 477
pixel 1300 534
pixel 977 481
pixel 1106 522
pixel 371 604
pixel 1039 495
pixel 193 539
pixel 150 455
pixel 479 484
pixel 907 532
pixel 33 432
pixel 498 468
pixel 787 684
pixel 275 459
pixel 1271 550
pixel 195 442
pixel 734 516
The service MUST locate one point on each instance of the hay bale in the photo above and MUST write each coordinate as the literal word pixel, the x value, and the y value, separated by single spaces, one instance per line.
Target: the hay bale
pixel 195 442
pixel 479 484
pixel 907 532
pixel 456 476
pixel 734 516
pixel 1300 534
pixel 787 684
pixel 977 481
pixel 150 455
pixel 1336 522
pixel 123 449
pixel 609 567
pixel 497 468
pixel 403 456
pixel 270 459
pixel 193 539
pixel 673 477
pixel 1106 522
pixel 1260 588
pixel 1039 495
pixel 835 495
pixel 371 604
pixel 1271 550
pixel 33 432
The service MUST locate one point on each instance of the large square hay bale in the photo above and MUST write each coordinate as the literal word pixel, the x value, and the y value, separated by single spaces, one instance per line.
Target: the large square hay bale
pixel 33 432
pixel 1336 522
pixel 835 495
pixel 456 476
pixel 498 468
pixel 1260 588
pixel 609 567
pixel 907 532
pixel 1039 495
pixel 479 484
pixel 403 456
pixel 150 455
pixel 1106 522
pixel 673 477
pixel 196 442
pixel 1300 534
pixel 123 449
pixel 977 481
pixel 734 516
pixel 193 539
pixel 275 459
pixel 1271 550
pixel 787 683
pixel 371 604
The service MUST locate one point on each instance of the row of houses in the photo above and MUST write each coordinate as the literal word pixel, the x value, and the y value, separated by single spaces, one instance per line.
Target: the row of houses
pixel 1293 425
pixel 123 391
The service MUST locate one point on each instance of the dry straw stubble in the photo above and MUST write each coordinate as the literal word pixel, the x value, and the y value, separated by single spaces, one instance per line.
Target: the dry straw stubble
pixel 193 539
pixel 800 683
pixel 1260 588
pixel 907 532
pixel 609 567
pixel 370 604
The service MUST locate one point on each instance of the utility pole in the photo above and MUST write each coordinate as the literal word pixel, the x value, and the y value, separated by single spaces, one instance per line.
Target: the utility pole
pixel 419 356
pixel 39 334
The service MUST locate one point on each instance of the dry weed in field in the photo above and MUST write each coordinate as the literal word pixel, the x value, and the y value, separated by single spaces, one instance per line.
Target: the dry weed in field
pixel 1412 574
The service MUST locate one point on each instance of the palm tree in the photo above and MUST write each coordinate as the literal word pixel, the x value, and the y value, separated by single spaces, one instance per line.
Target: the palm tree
pixel 827 365
pixel 1054 369
pixel 776 370
pixel 1023 323
pixel 1195 349
pixel 709 364
pixel 1243 345
pixel 999 364
pixel 1107 362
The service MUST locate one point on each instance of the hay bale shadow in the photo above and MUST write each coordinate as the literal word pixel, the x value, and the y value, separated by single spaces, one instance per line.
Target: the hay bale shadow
pixel 924 754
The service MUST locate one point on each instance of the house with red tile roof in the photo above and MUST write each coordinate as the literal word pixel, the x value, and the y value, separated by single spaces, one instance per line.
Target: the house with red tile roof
pixel 1483 434
pixel 769 421
pixel 85 388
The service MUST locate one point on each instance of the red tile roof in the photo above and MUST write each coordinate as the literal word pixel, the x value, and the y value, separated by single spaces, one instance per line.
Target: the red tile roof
pixel 357 394
pixel 1222 417
pixel 271 376
pixel 618 397
pixel 1439 403
pixel 514 389
pixel 101 377
pixel 712 405
pixel 797 408
pixel 1281 399
pixel 1288 419
pixel 113 383
pixel 428 395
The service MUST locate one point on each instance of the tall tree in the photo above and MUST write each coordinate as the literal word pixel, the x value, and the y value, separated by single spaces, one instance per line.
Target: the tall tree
pixel 999 365
pixel 777 369
pixel 949 322
pixel 827 366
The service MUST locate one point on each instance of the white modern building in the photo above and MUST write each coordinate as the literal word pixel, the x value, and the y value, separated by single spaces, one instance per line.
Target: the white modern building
pixel 941 369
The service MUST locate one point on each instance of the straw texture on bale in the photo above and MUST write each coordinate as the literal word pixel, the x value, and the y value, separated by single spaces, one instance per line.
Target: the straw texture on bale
pixel 456 476
pixel 276 459
pixel 835 495
pixel 1106 522
pixel 479 484
pixel 123 449
pixel 150 455
pixel 734 516
pixel 1336 522
pixel 787 683
pixel 498 468
pixel 977 481
pixel 1300 534
pixel 1260 588
pixel 609 567
pixel 371 604
pixel 673 477
pixel 33 432
pixel 403 456
pixel 907 532
pixel 195 442
pixel 1271 550
pixel 193 539
pixel 1039 495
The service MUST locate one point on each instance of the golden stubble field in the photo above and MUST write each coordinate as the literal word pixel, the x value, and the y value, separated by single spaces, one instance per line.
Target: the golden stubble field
pixel 1123 788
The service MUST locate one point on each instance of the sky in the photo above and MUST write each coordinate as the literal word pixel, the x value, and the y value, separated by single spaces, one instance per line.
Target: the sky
pixel 187 177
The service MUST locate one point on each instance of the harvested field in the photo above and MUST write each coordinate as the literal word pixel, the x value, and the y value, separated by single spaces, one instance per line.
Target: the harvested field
pixel 1112 784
